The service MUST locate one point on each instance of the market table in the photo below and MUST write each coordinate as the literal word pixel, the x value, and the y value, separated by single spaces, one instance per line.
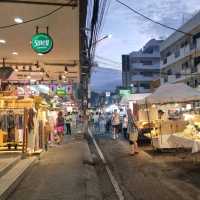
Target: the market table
pixel 180 141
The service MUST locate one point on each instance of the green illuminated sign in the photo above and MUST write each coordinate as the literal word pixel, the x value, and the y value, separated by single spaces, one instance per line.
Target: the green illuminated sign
pixel 61 92
pixel 42 43
pixel 124 92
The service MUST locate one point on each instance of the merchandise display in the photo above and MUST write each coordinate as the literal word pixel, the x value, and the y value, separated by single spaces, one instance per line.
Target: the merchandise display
pixel 19 123
pixel 173 120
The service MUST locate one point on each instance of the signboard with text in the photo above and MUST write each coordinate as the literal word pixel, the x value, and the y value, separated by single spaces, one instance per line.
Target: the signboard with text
pixel 42 43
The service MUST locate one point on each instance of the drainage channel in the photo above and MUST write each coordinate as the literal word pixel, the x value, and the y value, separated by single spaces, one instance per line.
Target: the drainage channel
pixel 109 186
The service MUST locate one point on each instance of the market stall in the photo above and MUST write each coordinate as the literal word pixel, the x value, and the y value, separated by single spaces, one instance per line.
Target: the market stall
pixel 170 111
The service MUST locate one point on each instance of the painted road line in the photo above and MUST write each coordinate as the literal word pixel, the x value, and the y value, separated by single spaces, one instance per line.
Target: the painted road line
pixel 112 178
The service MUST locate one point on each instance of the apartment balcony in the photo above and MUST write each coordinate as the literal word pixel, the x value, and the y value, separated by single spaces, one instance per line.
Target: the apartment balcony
pixel 184 52
pixel 145 67
pixel 141 78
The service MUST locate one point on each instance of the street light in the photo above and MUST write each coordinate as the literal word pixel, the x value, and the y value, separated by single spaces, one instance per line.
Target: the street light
pixel 103 38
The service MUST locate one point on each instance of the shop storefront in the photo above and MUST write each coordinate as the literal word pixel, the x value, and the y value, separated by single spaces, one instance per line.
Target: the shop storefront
pixel 43 60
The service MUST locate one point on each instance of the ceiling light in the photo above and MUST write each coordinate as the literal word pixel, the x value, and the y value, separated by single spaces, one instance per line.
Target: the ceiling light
pixel 2 41
pixel 63 76
pixel 40 54
pixel 18 20
pixel 28 77
pixel 15 53
pixel 16 69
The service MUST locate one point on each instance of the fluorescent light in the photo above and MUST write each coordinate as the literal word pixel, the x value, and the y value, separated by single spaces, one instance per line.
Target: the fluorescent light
pixel 15 53
pixel 18 20
pixel 2 41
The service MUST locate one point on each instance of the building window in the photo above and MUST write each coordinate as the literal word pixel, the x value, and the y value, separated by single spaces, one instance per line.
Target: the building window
pixel 145 85
pixel 147 74
pixel 169 72
pixel 185 65
pixel 196 61
pixel 177 53
pixel 178 75
pixel 196 36
pixel 165 79
pixel 168 54
pixel 146 62
pixel 195 83
pixel 184 44
pixel 165 61
pixel 194 69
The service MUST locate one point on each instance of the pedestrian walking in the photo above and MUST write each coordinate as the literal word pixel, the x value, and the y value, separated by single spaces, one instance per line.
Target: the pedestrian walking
pixel 102 124
pixel 133 133
pixel 115 124
pixel 108 122
pixel 60 122
pixel 68 120
pixel 73 116
pixel 125 126
pixel 47 133
pixel 96 122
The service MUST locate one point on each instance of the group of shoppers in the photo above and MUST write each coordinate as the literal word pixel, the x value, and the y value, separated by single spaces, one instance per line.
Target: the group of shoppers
pixel 64 123
pixel 106 122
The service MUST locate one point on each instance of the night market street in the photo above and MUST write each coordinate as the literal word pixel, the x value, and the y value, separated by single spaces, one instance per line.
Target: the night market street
pixel 150 175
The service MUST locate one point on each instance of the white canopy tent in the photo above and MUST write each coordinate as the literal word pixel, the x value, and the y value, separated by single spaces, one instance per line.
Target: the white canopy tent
pixel 170 93
pixel 133 98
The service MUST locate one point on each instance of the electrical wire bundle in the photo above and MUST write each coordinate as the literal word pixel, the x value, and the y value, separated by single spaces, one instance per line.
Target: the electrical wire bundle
pixel 96 13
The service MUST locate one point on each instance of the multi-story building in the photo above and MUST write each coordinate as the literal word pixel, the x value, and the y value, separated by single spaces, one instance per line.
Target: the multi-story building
pixel 141 68
pixel 180 55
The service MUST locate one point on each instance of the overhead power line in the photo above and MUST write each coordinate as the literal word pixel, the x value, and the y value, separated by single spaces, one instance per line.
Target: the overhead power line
pixel 34 19
pixel 152 20
pixel 108 60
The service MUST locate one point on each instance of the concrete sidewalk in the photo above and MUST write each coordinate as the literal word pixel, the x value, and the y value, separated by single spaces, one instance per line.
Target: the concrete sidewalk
pixel 64 172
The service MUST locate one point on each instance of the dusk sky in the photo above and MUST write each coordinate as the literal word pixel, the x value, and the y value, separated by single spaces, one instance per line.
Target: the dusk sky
pixel 130 31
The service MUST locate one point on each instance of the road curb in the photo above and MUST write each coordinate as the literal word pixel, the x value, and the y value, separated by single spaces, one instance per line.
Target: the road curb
pixel 12 179
pixel 93 191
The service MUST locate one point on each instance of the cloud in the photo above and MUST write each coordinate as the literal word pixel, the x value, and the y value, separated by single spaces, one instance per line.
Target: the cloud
pixel 130 31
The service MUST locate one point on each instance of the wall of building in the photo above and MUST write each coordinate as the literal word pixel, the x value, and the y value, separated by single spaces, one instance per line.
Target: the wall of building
pixel 180 55
pixel 140 68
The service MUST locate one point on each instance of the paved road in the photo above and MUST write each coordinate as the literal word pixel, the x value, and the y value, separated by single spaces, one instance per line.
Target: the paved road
pixel 58 176
pixel 143 177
